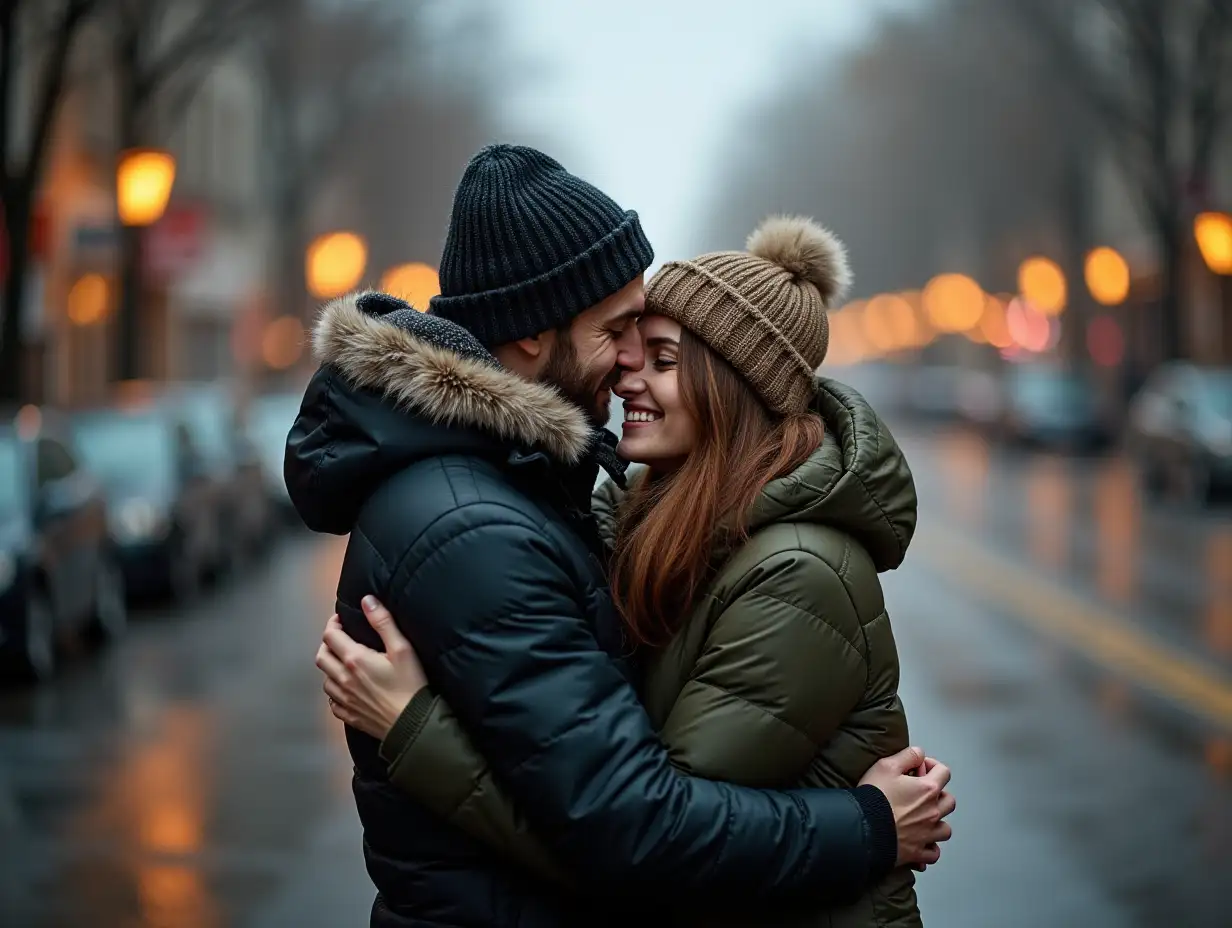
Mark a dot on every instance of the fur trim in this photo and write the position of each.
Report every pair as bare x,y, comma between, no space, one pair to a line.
445,386
807,250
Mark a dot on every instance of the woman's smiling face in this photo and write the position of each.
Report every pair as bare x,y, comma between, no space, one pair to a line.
658,428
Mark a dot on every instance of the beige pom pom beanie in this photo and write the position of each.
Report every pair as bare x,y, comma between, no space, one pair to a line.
762,309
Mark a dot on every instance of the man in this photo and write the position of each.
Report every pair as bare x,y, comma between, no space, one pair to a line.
459,449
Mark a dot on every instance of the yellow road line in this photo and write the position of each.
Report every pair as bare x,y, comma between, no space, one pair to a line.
1097,632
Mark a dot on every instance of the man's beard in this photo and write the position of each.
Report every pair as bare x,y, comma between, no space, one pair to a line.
565,372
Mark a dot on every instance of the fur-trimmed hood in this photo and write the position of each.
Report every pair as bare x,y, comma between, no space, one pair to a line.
396,386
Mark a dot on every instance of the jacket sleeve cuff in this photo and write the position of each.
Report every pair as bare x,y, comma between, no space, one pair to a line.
408,726
883,835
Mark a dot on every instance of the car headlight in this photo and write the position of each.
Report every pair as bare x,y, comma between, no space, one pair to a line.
138,520
8,570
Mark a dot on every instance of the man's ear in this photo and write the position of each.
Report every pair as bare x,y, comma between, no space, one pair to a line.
526,356
535,346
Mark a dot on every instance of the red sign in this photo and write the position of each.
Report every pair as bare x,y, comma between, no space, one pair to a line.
175,243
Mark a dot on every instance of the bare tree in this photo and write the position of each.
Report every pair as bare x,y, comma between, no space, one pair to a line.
163,51
21,172
374,96
326,70
1157,77
936,146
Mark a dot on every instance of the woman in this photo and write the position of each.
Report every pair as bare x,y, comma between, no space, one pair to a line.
745,556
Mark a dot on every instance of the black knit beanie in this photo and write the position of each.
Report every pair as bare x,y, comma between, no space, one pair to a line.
531,246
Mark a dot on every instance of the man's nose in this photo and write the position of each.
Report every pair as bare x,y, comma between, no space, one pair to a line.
630,355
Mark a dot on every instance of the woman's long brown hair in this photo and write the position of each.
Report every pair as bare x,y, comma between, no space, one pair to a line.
672,523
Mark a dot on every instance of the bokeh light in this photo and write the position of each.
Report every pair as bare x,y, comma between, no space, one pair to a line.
144,180
953,302
847,344
1107,276
1213,232
1042,284
1030,329
889,323
335,263
992,322
282,344
87,300
416,283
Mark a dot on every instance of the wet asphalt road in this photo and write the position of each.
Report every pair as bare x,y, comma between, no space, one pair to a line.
1065,648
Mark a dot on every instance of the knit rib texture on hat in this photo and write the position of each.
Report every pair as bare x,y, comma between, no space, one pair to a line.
530,246
763,309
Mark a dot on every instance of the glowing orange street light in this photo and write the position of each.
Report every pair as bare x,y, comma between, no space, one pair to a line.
416,283
87,300
335,263
1042,284
1213,232
953,302
144,179
1107,276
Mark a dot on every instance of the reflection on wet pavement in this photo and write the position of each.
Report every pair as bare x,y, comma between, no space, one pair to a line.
174,782
1066,648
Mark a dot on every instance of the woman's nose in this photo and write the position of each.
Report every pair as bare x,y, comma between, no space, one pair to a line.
629,385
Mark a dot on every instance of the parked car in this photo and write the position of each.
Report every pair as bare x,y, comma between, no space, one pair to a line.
1180,432
167,509
1052,407
234,464
60,577
269,419
980,399
933,391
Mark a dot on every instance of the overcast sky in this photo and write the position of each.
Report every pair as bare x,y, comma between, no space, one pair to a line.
642,96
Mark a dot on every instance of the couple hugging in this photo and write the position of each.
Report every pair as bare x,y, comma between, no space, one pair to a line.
666,698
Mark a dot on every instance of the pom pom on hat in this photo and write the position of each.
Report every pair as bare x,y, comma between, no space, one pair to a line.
805,249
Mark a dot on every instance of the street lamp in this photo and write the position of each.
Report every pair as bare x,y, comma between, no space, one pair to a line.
144,178
416,283
1213,232
1107,276
335,263
1041,282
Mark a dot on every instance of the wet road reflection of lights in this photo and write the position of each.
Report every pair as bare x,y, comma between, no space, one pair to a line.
1049,511
1217,624
1118,528
153,804
965,465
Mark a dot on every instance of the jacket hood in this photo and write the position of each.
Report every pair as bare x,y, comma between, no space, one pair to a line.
396,386
858,481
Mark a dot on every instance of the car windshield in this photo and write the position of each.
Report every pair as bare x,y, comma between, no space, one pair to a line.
272,417
10,477
128,452
1217,386
211,428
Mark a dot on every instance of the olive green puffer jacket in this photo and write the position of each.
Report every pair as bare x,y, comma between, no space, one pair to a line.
785,674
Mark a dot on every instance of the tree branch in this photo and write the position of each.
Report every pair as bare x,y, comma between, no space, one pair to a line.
212,27
7,44
1210,78
1057,37
51,86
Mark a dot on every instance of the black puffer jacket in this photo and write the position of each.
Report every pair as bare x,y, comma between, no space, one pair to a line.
465,490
